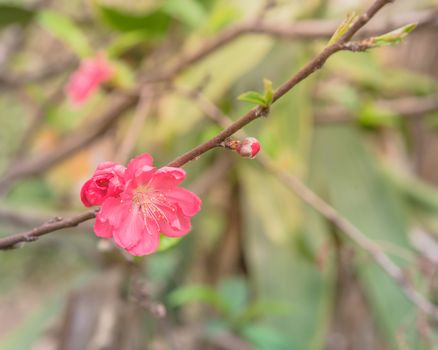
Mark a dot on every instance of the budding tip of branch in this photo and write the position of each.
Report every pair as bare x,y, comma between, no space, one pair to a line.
248,147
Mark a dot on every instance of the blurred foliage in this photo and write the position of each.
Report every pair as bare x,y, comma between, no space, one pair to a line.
12,14
282,289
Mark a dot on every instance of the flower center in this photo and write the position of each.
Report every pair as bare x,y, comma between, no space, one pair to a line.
102,182
151,203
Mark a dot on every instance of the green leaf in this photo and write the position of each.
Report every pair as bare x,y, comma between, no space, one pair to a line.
14,14
256,98
279,271
269,93
266,338
215,327
190,12
419,194
167,243
372,116
235,292
124,42
222,80
124,76
358,190
154,22
198,293
394,37
221,15
343,28
65,30
253,97
263,308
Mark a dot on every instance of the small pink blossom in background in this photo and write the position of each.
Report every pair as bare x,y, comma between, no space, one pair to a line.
139,203
249,147
87,78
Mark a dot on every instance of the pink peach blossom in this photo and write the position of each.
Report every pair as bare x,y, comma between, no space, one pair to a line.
149,204
107,181
86,79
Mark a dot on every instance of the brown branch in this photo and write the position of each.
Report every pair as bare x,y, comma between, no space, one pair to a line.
253,114
308,29
201,186
8,81
37,120
409,107
357,236
16,218
27,219
54,224
209,47
322,29
302,29
258,112
324,209
302,74
144,106
86,136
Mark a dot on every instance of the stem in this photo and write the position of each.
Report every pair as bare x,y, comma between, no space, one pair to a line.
128,102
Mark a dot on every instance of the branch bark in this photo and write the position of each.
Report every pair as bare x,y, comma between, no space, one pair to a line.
255,113
89,134
353,233
54,224
300,30
326,210
127,101
409,107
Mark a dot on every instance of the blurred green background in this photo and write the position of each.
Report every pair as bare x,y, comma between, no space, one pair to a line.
260,270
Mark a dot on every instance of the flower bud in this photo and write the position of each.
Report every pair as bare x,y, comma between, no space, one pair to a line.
249,147
107,181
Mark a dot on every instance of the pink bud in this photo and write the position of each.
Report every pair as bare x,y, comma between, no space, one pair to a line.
107,181
249,147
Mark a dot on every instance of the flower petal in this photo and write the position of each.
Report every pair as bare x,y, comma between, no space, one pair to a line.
103,228
128,233
107,181
87,78
148,242
109,216
189,202
176,225
85,193
137,163
167,177
108,165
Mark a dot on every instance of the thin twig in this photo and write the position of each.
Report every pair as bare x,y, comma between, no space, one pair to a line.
409,107
326,210
357,236
322,29
17,218
85,136
37,120
141,112
39,76
253,114
52,225
302,30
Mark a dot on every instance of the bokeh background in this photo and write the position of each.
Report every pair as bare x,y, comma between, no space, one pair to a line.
260,270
